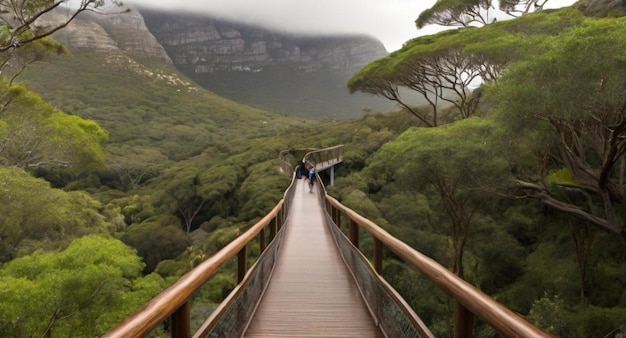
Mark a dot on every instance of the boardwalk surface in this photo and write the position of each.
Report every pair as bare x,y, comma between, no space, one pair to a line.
311,293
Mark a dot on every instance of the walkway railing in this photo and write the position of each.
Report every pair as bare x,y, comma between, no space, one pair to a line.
173,303
325,158
469,300
320,158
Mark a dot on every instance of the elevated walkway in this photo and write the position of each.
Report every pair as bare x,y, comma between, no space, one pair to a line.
312,280
311,291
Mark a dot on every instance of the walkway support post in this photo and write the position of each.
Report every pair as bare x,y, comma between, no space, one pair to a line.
378,255
464,322
242,264
180,321
354,233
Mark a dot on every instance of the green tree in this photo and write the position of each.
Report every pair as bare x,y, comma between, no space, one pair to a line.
155,242
565,118
35,134
134,164
36,216
81,291
462,13
439,69
451,164
466,13
26,22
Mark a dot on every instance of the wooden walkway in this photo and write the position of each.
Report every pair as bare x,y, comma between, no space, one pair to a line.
311,292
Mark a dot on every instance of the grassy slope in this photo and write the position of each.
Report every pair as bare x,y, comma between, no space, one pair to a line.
148,104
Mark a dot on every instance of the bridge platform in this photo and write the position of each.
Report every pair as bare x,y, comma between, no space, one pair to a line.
311,292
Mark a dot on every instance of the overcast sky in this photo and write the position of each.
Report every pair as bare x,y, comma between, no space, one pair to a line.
390,21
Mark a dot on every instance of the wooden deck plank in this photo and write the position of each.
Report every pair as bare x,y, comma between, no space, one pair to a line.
311,293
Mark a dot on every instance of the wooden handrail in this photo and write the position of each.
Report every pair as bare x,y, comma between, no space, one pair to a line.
467,297
174,301
176,297
325,154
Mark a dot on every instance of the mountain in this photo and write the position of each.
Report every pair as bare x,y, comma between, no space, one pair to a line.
119,75
292,75
277,71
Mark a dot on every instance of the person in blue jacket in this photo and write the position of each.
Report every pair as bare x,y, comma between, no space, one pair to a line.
311,178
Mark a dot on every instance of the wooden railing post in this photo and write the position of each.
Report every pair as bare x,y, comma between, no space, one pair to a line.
181,322
464,322
378,255
242,264
274,227
354,233
262,242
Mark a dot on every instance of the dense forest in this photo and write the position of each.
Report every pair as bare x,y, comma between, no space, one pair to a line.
116,182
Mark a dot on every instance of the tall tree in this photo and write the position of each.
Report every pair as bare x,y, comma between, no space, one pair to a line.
443,68
36,216
24,22
467,13
35,134
566,109
452,166
436,67
81,291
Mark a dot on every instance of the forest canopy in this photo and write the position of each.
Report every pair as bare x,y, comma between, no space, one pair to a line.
511,176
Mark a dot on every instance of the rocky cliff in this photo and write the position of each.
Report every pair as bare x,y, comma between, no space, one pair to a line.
280,72
206,45
123,33
601,8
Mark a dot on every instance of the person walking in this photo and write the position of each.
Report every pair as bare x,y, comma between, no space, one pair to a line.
311,178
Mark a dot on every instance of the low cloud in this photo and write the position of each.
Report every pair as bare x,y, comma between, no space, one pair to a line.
390,21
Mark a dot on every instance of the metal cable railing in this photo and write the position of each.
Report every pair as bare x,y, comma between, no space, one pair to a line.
469,300
391,312
174,302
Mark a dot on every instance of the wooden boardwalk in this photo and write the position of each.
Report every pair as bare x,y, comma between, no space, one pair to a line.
311,292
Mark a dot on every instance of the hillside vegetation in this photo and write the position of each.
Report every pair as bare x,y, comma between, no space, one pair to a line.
119,175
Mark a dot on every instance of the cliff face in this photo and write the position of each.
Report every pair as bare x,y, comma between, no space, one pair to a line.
279,72
124,33
206,45
601,8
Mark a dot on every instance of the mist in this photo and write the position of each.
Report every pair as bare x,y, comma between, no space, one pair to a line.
390,21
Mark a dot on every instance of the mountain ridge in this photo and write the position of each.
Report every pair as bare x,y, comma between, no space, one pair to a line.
288,74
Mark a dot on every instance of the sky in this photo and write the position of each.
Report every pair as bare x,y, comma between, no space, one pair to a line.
390,21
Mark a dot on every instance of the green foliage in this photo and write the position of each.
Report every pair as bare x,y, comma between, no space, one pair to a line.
263,187
171,268
605,322
35,134
560,176
155,242
192,152
561,108
81,291
552,314
219,238
36,216
500,258
218,287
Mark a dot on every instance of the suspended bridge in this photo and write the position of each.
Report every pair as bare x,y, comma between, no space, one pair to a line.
312,280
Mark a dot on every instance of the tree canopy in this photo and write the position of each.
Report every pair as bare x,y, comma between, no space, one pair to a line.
81,291
571,98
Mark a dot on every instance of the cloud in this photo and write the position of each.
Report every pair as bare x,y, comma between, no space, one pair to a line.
391,21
